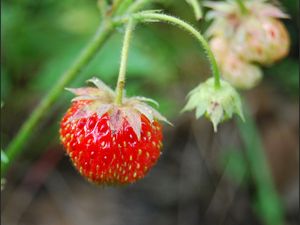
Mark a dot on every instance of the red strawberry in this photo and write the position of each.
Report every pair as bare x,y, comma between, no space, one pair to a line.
110,143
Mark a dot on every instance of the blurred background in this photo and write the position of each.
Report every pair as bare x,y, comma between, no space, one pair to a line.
201,178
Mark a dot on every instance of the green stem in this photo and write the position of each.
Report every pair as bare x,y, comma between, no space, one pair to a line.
123,65
137,5
116,6
102,4
154,17
268,203
242,6
15,147
130,6
125,4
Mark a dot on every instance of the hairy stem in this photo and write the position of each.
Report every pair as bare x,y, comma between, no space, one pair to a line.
123,65
15,147
154,17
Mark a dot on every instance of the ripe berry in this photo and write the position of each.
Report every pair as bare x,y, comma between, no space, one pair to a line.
110,143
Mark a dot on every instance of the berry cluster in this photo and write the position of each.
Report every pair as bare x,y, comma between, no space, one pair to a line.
241,39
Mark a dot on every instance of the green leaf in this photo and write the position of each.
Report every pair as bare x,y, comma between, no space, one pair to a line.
105,65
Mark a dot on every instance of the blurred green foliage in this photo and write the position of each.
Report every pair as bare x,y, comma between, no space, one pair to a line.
285,75
266,201
40,40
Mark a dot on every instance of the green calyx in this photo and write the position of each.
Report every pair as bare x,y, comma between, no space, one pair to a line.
217,104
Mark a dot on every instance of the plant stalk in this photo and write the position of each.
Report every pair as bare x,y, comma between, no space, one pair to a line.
267,201
123,65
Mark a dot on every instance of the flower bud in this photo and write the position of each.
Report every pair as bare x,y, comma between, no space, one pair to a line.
216,103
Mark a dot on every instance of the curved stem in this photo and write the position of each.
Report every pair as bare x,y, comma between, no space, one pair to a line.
154,17
123,66
15,147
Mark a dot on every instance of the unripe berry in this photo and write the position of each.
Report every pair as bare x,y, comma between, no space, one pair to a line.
240,73
264,41
234,69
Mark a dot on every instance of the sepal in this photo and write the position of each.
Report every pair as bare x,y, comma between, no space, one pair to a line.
101,100
216,103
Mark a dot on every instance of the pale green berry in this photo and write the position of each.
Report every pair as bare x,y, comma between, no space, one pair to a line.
237,71
240,73
262,40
